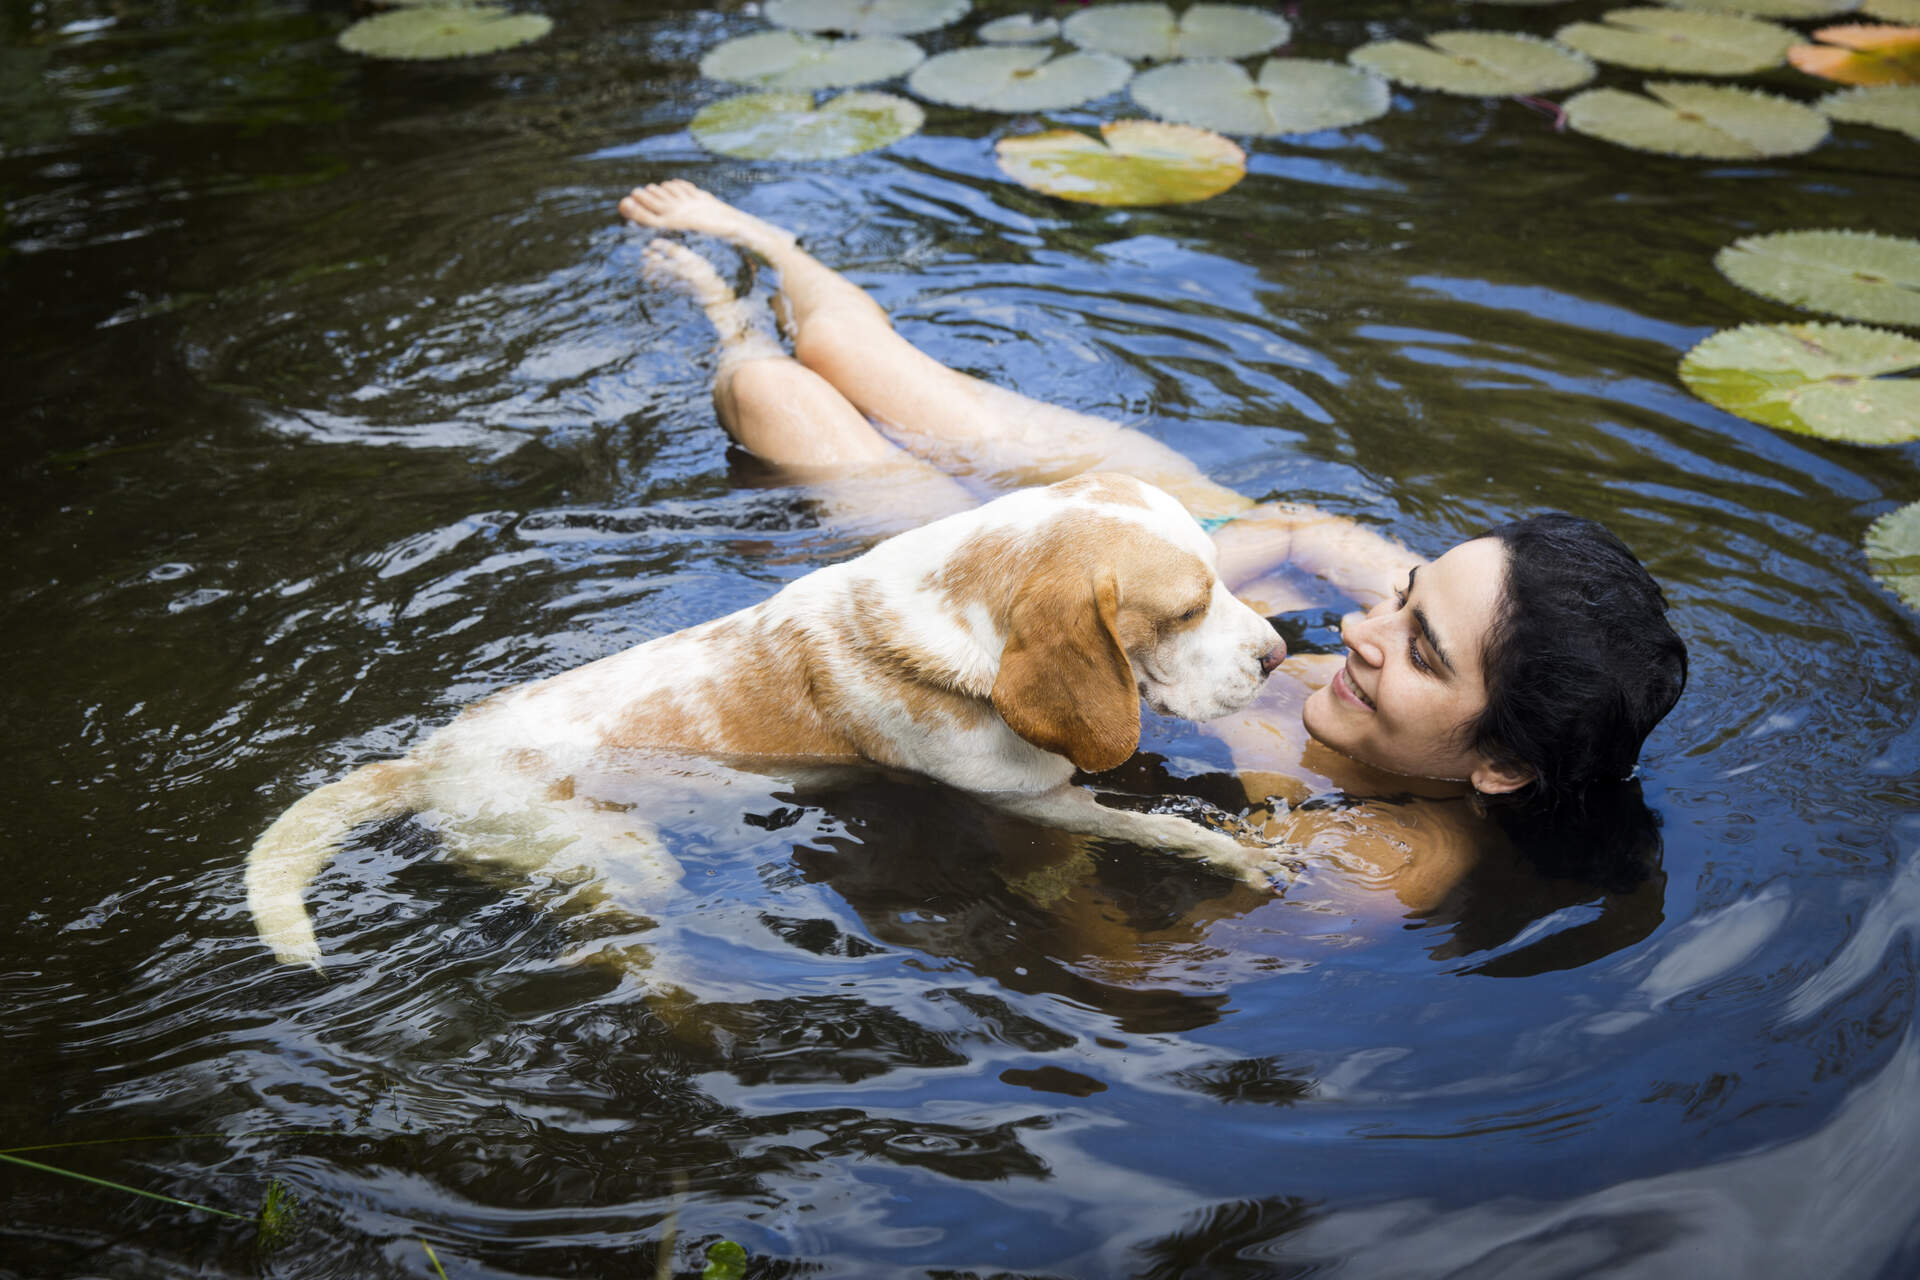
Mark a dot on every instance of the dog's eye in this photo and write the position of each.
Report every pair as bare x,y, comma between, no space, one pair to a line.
1193,613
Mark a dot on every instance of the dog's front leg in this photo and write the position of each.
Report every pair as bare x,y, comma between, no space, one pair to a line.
1073,809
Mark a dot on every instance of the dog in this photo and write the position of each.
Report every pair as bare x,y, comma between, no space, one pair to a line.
997,651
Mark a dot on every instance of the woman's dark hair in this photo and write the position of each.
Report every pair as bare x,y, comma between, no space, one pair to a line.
1581,664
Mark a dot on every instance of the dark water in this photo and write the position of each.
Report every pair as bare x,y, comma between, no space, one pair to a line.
331,405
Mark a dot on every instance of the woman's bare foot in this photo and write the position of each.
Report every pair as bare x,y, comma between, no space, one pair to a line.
678,205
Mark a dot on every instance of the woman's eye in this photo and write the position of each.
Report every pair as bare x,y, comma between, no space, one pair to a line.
1413,653
1399,597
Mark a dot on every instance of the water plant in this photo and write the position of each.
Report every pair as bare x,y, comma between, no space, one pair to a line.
1893,552
796,61
792,126
1710,44
1687,118
1477,63
1153,32
1017,77
1862,53
1290,95
1132,162
442,31
1895,107
1857,275
1837,381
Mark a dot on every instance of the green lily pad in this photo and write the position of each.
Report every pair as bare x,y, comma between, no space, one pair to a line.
794,61
1151,31
1019,28
1477,63
1017,78
1888,106
1684,118
1826,380
1711,44
1854,274
1132,162
442,31
1292,95
1893,10
866,17
789,126
1893,552
1769,8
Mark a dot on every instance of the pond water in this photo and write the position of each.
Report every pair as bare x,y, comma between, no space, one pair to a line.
333,404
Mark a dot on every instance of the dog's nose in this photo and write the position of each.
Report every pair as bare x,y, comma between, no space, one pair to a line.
1273,658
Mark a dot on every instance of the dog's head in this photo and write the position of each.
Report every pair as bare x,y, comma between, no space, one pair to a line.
1103,592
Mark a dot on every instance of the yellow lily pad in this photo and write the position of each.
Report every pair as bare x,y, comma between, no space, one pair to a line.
1477,63
1291,95
442,31
1684,118
1826,380
1132,162
790,126
1862,53
1711,44
1893,552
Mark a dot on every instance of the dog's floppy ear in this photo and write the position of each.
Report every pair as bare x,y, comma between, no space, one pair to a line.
1064,682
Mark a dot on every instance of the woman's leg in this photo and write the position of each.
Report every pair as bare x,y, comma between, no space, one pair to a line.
960,423
782,412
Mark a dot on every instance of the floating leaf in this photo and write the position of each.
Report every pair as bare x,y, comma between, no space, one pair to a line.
1826,380
1893,552
1855,274
789,126
1712,44
1019,28
866,17
1477,63
1131,162
1151,31
1862,54
1292,95
442,32
796,62
1713,121
1017,78
1887,106
1769,8
1893,10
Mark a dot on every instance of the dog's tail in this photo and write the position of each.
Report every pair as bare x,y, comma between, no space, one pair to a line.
291,852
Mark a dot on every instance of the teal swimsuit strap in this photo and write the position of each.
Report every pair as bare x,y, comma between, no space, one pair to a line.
1213,523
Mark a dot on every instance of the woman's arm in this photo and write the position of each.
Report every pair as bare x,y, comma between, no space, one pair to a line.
1362,563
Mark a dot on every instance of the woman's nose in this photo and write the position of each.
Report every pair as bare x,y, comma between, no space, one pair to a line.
1357,632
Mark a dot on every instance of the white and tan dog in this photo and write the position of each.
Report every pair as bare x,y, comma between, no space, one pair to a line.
996,650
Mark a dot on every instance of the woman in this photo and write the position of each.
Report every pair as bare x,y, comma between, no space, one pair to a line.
1515,676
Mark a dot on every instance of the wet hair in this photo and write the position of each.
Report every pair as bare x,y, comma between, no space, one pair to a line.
1580,665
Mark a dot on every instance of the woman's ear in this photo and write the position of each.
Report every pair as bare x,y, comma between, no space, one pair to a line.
1065,683
1491,779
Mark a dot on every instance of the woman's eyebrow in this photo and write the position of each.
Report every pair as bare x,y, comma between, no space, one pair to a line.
1426,627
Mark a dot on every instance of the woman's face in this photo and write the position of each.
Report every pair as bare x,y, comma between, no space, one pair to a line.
1414,677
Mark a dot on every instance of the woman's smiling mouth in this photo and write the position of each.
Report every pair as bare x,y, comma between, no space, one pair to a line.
1343,685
